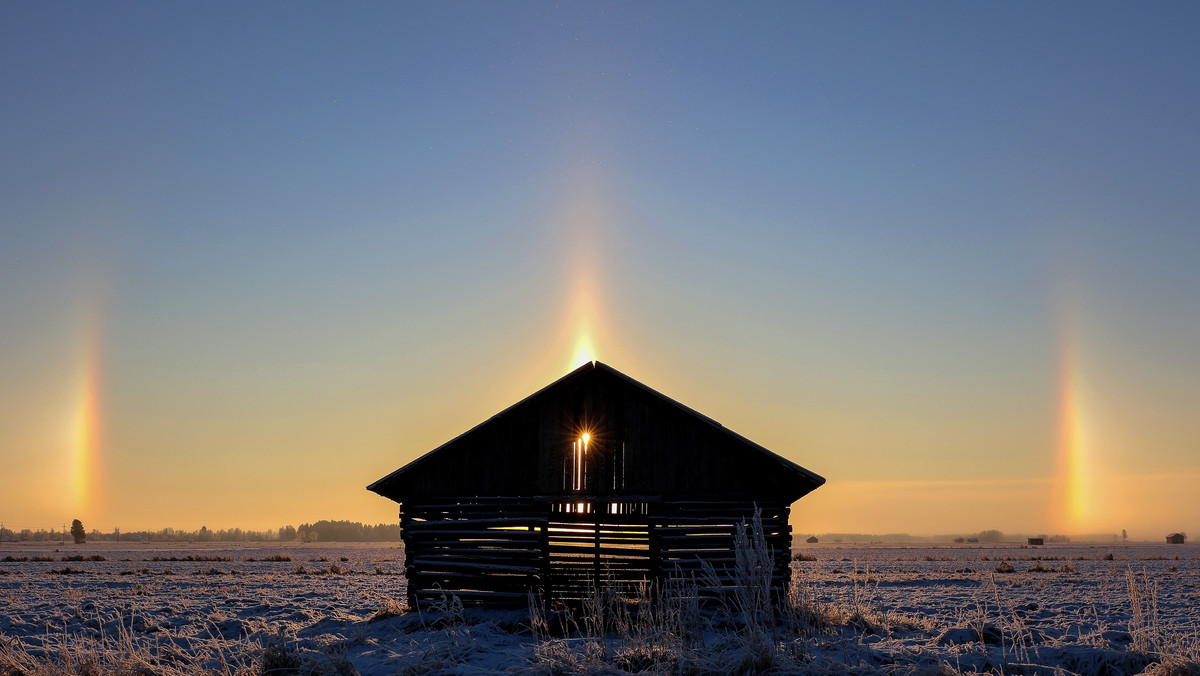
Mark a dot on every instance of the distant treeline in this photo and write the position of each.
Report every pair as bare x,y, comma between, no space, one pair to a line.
321,531
984,536
348,531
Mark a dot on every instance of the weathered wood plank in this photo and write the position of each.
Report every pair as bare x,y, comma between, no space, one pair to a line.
482,523
428,562
480,554
449,581
630,543
717,521
435,595
591,551
451,533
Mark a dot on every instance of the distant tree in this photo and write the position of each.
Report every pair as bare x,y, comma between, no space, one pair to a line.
78,532
1124,535
990,536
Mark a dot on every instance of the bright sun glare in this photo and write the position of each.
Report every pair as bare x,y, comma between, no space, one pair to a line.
583,351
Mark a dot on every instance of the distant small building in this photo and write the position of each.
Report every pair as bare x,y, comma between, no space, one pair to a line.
812,540
1176,538
1037,541
973,540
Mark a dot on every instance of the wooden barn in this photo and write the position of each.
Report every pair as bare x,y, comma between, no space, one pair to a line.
1176,539
594,479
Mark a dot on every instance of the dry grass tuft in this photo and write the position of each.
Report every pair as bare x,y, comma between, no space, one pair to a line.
390,608
279,658
120,655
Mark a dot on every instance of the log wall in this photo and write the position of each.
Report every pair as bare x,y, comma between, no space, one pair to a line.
695,542
479,549
494,551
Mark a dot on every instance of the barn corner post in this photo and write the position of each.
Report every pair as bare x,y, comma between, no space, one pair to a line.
783,558
410,591
654,546
594,481
544,585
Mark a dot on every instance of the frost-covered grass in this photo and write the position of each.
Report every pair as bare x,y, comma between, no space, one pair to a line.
179,609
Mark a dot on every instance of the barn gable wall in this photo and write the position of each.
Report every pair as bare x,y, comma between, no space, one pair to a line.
641,443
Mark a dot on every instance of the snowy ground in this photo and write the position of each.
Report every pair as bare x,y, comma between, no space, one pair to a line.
327,608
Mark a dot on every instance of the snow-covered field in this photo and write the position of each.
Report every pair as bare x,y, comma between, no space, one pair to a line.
331,608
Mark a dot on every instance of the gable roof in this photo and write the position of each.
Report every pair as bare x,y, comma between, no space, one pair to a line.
643,443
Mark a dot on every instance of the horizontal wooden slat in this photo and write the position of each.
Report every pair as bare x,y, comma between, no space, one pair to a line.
470,594
472,534
456,501
449,582
460,586
697,536
516,521
712,525
604,519
426,559
425,566
481,553
632,543
583,552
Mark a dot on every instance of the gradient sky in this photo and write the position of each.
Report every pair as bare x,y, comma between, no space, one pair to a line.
254,256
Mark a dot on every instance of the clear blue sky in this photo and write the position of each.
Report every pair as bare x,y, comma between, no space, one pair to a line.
286,247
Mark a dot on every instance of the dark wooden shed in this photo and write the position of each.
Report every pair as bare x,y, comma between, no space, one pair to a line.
594,479
1176,539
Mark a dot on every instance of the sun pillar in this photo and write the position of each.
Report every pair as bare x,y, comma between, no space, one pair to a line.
86,427
1072,488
